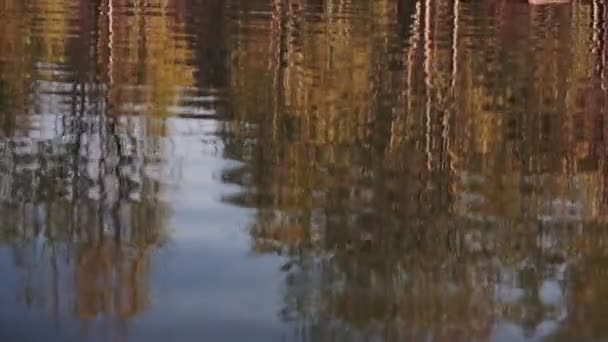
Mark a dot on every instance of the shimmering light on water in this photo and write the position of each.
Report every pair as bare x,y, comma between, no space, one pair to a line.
261,170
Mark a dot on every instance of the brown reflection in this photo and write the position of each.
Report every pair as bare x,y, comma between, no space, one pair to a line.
432,170
82,178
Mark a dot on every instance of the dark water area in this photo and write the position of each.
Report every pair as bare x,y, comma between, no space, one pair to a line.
299,170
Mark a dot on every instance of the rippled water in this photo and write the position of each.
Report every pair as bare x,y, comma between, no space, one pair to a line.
298,170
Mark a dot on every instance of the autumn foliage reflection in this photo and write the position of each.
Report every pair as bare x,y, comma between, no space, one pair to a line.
85,159
421,179
424,181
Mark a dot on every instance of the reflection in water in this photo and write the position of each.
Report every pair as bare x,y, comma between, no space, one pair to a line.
424,170
432,170
81,179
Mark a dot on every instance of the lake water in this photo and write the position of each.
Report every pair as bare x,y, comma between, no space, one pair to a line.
299,170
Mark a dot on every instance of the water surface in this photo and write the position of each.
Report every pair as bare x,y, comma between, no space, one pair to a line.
298,170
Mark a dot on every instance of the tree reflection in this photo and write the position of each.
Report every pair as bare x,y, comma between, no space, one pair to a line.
424,181
82,179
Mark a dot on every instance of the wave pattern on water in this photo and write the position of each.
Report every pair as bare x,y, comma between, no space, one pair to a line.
422,170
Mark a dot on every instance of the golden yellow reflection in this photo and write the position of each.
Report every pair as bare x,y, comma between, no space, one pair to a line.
81,183
426,169
429,168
